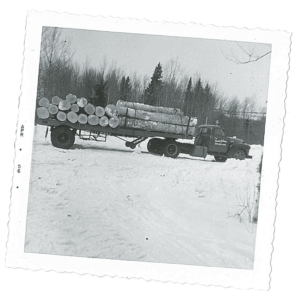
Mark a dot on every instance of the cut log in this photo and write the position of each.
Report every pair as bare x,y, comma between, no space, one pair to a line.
44,102
82,118
42,112
100,111
156,126
122,121
157,117
103,121
149,108
53,109
111,110
89,109
55,100
72,117
93,120
114,122
71,98
82,102
75,108
61,116
64,105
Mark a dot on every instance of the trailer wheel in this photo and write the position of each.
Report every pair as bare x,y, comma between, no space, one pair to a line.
239,154
171,149
155,146
220,158
62,137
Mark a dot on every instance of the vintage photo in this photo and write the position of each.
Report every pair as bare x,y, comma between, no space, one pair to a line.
148,148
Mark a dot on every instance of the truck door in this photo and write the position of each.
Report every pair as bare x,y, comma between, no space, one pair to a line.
203,137
219,143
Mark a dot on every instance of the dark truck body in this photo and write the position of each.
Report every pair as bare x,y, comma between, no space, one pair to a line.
208,139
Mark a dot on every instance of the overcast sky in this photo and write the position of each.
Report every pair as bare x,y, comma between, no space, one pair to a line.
141,53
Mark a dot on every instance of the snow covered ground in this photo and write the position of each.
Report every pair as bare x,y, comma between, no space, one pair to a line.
103,200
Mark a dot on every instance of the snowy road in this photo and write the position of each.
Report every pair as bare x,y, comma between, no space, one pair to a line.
104,200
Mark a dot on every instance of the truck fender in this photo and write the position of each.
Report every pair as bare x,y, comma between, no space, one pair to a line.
235,146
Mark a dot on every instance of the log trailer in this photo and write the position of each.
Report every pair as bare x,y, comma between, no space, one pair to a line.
208,139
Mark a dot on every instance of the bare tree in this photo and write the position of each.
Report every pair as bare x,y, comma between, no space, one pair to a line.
245,55
55,53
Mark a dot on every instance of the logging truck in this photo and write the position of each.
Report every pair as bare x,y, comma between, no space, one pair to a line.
207,139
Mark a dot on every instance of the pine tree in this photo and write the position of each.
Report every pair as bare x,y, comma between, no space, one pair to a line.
209,101
188,99
125,89
154,90
101,93
198,102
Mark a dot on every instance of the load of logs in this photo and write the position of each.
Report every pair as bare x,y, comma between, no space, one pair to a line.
124,114
79,110
154,118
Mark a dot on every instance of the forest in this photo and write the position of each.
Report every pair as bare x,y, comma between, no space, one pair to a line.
168,86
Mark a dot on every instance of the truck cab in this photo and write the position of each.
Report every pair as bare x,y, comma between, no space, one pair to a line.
218,144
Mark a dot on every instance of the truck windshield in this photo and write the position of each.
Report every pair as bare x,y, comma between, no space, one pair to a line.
219,132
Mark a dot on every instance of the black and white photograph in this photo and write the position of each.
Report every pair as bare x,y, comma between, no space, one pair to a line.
149,148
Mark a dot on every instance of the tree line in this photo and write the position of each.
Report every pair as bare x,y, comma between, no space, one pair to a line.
168,86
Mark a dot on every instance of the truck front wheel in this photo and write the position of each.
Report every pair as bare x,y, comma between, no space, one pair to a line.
220,158
171,149
62,137
239,154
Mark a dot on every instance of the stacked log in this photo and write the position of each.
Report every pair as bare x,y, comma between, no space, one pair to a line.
93,120
64,105
53,109
89,109
125,114
72,117
103,121
44,102
100,111
82,119
55,100
158,119
82,102
71,98
149,108
42,112
114,122
61,116
75,108
111,110
155,126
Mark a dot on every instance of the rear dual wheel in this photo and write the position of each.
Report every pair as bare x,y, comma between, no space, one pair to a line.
171,149
155,146
62,137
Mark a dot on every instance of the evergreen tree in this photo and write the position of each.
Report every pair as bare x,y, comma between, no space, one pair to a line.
125,89
101,93
188,99
154,90
209,102
198,102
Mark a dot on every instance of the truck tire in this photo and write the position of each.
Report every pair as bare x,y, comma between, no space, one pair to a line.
239,154
155,146
62,137
220,158
171,149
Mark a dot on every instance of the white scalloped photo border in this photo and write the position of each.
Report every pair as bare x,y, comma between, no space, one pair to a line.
259,277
